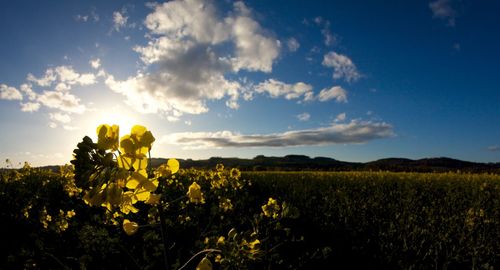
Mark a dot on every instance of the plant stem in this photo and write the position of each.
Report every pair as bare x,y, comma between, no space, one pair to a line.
163,226
195,255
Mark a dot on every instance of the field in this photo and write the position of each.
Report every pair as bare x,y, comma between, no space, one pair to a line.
330,220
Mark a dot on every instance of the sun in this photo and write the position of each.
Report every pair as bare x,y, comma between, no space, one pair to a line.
123,119
117,115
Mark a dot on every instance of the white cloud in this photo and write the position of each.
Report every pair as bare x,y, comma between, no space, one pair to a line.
52,125
345,133
493,148
343,67
442,9
191,50
188,19
340,117
95,63
28,91
329,38
44,81
67,74
9,93
254,50
119,20
335,92
60,117
62,87
84,18
64,74
293,44
304,116
62,101
30,106
81,18
277,88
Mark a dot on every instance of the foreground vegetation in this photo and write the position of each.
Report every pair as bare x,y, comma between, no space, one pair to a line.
111,209
389,220
395,220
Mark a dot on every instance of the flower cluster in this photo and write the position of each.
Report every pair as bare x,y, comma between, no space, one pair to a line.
271,208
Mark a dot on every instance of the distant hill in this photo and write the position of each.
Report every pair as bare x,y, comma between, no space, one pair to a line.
301,162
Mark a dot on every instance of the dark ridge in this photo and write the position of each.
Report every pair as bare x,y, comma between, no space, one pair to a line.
301,162
305,163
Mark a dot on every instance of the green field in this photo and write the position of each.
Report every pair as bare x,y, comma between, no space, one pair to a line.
342,219
396,220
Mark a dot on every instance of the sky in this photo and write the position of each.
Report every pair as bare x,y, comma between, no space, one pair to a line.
351,80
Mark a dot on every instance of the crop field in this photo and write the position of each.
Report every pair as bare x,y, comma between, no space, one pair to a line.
314,219
395,220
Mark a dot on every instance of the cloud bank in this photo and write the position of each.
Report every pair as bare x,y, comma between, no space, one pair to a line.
353,132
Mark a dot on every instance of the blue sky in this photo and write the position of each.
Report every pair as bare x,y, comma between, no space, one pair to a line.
352,80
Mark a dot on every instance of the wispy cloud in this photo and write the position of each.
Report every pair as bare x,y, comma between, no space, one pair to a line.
336,92
340,117
353,132
119,20
442,9
329,38
95,63
293,44
63,74
304,117
277,88
493,148
93,16
343,66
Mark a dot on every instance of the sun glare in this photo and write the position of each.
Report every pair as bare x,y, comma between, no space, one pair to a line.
113,116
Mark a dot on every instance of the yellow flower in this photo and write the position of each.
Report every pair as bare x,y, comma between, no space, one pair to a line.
204,264
225,204
70,214
194,193
130,227
221,240
107,137
219,167
169,168
142,136
271,209
254,244
235,173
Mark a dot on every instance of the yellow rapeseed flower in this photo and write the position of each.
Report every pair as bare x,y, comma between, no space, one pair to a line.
194,193
107,137
221,240
271,209
169,168
235,173
130,227
219,167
